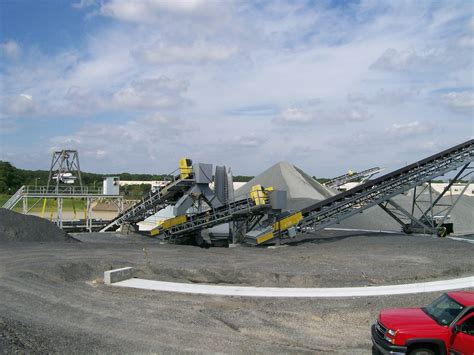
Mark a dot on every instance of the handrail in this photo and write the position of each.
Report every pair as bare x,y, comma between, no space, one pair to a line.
14,198
64,190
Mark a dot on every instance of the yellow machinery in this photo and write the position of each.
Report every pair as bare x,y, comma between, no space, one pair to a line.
185,168
168,224
280,226
259,194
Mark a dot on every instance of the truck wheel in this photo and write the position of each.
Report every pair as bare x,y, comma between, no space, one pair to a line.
375,351
422,351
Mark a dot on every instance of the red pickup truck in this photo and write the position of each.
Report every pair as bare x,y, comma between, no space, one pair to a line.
446,326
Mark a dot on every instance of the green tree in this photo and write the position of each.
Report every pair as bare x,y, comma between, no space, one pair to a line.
11,178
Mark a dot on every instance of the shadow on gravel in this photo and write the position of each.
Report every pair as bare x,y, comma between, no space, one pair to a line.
334,239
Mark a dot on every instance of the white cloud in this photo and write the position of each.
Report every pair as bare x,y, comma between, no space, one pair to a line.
460,101
470,24
162,62
316,111
296,115
85,4
147,94
147,11
386,143
197,52
151,93
251,141
136,141
398,60
408,129
384,97
10,49
466,42
19,105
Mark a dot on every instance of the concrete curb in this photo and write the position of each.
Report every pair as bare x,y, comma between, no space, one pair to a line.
113,276
251,291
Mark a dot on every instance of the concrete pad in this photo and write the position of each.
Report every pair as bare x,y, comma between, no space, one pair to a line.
117,275
249,291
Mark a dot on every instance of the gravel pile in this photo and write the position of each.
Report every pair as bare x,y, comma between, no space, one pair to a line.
302,190
17,227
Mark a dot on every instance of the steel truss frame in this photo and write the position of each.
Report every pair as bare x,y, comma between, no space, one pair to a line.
42,193
422,216
64,161
243,210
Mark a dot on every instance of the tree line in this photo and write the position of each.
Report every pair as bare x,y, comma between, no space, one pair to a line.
12,178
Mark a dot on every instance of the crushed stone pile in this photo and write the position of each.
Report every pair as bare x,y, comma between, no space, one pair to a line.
17,227
302,190
463,214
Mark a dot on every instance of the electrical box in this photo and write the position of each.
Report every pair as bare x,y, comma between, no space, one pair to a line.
111,185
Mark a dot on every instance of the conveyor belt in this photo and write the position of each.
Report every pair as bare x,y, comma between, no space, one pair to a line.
352,176
193,223
362,197
159,199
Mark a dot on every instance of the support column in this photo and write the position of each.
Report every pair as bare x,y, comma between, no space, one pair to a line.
59,214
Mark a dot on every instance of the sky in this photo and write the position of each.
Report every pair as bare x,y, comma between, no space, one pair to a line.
134,85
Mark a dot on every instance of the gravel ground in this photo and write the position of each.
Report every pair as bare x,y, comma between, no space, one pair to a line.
53,299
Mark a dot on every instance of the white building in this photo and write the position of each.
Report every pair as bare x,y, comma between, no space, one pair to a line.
155,184
439,187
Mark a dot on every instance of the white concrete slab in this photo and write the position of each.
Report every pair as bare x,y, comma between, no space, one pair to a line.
250,291
362,230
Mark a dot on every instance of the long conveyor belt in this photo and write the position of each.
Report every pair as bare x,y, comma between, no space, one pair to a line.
364,175
362,197
342,206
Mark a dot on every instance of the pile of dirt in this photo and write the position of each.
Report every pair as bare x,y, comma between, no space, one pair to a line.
17,227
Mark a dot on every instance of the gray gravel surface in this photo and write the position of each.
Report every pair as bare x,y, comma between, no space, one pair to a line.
53,299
